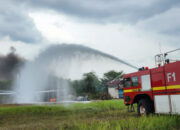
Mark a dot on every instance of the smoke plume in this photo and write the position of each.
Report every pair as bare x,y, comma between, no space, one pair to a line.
10,65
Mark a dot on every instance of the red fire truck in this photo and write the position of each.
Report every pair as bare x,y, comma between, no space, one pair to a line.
154,90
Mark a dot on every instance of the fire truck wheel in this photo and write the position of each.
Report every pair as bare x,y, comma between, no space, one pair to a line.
144,107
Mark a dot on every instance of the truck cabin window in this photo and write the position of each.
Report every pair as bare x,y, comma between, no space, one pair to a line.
135,81
121,84
127,82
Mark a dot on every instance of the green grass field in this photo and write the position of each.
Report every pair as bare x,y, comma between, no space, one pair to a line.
102,115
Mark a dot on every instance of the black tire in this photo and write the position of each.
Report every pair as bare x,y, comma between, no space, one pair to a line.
145,107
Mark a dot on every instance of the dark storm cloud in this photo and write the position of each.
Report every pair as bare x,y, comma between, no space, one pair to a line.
122,11
16,24
107,10
167,23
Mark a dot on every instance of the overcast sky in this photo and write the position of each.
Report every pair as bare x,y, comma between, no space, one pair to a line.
133,30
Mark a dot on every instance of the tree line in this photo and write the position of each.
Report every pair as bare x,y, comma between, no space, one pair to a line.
94,87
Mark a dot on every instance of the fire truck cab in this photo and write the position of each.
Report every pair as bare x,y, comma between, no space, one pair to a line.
154,90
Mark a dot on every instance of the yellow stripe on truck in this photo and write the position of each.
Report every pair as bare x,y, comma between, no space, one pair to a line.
168,87
154,88
173,87
131,90
159,88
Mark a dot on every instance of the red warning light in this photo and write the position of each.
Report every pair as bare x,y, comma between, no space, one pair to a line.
146,68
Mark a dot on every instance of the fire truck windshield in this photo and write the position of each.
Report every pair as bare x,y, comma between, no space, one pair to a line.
127,82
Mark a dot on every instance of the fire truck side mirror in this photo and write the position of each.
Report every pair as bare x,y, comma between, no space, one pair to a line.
167,61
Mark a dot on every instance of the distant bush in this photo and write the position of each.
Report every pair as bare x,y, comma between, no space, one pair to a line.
105,96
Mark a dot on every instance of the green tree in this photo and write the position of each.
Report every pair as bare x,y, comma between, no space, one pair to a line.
91,82
92,86
109,76
78,87
87,85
